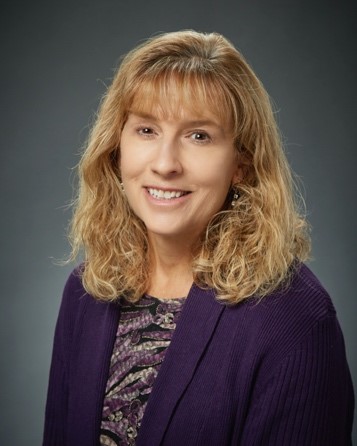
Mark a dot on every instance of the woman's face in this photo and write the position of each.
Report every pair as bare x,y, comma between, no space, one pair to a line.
177,171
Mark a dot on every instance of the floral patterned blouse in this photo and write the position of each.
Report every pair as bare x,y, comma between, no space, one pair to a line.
144,333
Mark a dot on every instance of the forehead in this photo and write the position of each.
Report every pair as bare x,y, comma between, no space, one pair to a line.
177,98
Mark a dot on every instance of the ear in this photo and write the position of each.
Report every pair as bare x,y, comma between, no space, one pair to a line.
238,174
243,167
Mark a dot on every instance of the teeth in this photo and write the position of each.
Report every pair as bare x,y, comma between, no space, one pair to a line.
166,195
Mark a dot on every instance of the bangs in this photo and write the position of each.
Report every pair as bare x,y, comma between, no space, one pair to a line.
169,95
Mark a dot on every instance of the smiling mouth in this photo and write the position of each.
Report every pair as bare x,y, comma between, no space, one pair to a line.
166,194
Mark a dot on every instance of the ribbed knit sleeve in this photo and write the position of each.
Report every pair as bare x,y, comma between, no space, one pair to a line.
57,399
57,395
298,404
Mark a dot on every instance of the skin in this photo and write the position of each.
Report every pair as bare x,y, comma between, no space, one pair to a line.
190,159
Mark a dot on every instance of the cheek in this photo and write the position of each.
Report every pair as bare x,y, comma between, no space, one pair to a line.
134,160
127,155
124,166
219,173
128,164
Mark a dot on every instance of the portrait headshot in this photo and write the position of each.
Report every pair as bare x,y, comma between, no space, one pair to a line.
179,224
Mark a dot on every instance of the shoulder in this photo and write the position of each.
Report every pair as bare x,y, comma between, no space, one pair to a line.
80,315
306,285
301,298
74,295
285,319
73,285
76,304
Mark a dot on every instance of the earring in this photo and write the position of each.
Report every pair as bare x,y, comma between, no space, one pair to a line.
122,187
235,198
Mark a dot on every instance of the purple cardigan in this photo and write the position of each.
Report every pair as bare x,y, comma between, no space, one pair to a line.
272,372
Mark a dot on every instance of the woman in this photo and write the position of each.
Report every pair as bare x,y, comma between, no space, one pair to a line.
193,320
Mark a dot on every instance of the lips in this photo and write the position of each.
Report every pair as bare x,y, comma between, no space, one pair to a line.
165,194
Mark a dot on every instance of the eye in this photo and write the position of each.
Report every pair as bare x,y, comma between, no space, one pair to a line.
200,136
145,131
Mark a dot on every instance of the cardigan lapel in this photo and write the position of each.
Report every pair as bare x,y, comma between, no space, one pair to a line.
194,330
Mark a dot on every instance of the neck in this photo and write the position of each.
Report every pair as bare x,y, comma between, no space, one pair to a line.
171,273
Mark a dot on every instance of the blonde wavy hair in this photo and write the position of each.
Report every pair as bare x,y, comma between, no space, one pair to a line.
244,251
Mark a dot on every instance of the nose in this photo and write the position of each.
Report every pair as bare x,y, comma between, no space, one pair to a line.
167,160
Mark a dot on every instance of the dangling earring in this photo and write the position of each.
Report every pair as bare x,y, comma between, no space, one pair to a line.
122,188
235,198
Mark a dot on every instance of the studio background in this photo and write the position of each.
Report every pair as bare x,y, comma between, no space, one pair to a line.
56,60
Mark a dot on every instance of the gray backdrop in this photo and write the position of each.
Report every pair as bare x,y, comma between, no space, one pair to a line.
56,59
